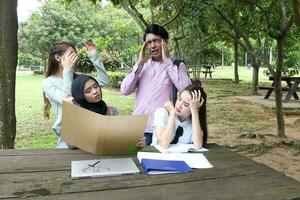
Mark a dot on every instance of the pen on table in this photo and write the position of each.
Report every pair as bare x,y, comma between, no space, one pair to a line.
93,165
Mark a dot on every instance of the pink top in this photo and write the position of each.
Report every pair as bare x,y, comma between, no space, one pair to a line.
154,84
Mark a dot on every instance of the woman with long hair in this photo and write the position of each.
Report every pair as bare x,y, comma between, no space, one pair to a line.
185,122
60,73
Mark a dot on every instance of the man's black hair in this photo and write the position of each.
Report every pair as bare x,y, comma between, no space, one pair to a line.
156,30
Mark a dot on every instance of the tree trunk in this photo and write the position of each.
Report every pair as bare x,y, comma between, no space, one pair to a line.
222,58
236,61
246,59
8,63
270,56
278,88
255,77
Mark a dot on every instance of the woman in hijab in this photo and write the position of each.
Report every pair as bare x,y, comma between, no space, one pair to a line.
88,94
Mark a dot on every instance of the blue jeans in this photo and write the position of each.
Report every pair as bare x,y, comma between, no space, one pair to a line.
148,138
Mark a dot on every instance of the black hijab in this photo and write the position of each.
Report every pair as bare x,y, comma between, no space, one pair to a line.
78,94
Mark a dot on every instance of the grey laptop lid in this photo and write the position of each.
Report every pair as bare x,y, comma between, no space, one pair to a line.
103,167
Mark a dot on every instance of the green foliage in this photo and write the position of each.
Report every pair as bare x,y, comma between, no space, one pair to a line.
132,150
27,60
130,54
292,71
111,60
116,78
84,64
103,43
112,29
292,55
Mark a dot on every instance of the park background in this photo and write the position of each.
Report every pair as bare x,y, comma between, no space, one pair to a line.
199,35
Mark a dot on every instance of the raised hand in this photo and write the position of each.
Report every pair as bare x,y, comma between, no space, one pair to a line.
196,101
90,48
169,107
143,57
69,60
164,50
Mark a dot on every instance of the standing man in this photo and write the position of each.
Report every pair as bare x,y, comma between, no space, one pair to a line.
153,76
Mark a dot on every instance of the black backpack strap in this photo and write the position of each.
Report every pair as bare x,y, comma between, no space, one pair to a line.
174,92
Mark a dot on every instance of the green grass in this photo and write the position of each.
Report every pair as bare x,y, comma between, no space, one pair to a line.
35,132
124,104
256,149
32,130
245,73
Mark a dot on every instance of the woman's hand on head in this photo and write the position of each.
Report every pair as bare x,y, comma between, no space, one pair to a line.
169,107
69,60
196,101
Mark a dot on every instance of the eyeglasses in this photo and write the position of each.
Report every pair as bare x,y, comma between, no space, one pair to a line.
94,168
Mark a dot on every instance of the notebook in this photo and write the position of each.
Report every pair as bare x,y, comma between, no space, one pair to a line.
193,160
153,166
101,134
102,168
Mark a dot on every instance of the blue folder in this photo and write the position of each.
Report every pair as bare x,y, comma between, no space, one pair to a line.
152,166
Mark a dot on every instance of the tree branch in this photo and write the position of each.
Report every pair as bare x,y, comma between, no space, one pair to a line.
137,13
178,12
288,26
285,25
267,19
237,29
125,6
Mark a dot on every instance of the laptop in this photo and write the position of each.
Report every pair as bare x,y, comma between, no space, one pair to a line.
101,134
103,167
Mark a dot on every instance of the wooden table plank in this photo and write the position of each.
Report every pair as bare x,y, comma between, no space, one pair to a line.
31,173
26,164
242,187
15,161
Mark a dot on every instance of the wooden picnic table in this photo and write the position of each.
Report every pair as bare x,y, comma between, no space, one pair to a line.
196,70
292,87
45,174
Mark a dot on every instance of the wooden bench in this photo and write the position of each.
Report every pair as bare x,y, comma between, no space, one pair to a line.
271,89
207,72
197,69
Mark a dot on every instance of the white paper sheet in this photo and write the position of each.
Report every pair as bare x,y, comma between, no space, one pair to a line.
179,148
194,160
